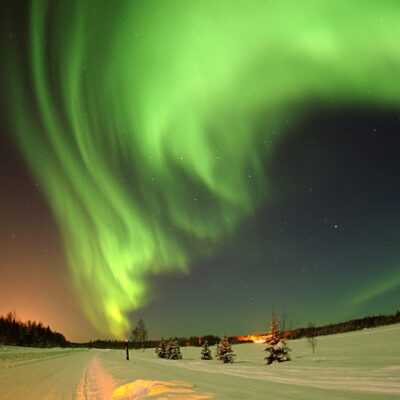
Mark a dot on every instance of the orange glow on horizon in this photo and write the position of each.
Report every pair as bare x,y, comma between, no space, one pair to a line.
259,337
255,338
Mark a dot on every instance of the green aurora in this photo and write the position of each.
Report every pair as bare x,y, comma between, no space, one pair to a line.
142,122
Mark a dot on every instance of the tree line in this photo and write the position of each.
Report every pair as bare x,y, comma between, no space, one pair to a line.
30,333
347,326
134,344
35,334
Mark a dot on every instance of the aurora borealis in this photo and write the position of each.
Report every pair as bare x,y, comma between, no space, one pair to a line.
198,152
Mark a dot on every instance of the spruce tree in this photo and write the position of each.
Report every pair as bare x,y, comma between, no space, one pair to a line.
161,350
276,345
168,348
206,352
224,351
173,350
218,350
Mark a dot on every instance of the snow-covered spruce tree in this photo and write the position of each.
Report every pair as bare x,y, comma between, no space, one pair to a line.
161,350
218,350
224,351
276,345
173,350
206,352
168,348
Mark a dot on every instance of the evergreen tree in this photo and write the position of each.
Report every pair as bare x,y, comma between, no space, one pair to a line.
173,351
224,351
206,352
276,348
218,350
168,348
161,350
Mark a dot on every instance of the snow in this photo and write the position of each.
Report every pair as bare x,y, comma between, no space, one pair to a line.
356,365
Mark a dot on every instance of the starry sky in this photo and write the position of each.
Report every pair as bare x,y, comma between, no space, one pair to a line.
198,164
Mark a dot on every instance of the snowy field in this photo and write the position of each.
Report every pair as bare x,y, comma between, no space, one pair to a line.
356,365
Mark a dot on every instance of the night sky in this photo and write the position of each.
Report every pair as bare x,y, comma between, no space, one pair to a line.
198,164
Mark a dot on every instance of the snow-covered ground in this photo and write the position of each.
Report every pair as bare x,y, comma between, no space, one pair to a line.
356,365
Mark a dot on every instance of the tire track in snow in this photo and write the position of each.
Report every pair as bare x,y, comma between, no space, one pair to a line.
96,383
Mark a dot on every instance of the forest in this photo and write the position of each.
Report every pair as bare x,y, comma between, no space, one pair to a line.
30,333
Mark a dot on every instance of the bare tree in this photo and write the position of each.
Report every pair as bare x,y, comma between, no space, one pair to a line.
139,334
312,336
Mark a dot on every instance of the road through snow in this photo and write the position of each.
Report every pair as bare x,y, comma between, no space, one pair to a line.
84,375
